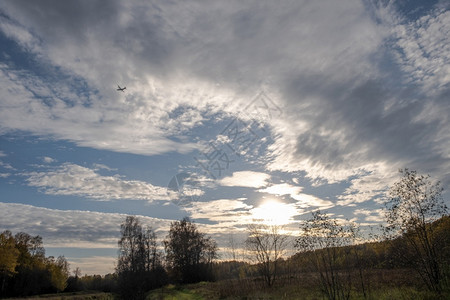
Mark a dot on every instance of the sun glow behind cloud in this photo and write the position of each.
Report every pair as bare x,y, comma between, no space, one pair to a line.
273,212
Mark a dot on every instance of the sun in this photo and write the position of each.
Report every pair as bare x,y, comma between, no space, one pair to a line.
273,212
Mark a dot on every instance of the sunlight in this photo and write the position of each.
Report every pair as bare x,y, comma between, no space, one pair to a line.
273,212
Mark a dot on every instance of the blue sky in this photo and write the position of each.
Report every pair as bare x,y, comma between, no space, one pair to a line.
233,112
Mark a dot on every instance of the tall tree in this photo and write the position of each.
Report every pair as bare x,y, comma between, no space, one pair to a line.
189,254
232,244
129,245
33,271
323,241
8,258
59,272
414,203
266,245
139,266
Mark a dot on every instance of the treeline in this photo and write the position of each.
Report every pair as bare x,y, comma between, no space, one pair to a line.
384,254
346,272
106,283
379,255
142,265
345,269
24,268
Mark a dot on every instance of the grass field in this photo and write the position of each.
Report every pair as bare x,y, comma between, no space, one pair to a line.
215,291
381,284
221,290
88,295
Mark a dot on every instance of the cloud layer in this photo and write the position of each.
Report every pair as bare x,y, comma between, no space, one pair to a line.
343,113
72,179
60,228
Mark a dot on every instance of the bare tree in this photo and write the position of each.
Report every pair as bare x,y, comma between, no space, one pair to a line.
414,203
77,272
266,245
149,250
323,241
131,232
233,245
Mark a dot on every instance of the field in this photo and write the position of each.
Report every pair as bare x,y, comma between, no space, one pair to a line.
212,291
385,284
88,295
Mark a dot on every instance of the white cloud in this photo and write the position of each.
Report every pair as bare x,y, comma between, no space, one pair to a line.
6,166
282,189
368,186
424,50
48,160
72,179
306,201
228,211
246,179
295,192
21,34
102,166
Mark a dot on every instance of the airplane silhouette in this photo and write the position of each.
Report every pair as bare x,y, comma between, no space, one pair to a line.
121,89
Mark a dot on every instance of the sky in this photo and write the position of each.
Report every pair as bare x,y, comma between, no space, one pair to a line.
234,112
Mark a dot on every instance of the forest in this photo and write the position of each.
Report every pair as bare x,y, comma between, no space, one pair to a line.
410,259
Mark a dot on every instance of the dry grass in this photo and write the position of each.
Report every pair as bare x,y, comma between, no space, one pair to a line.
72,296
384,284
